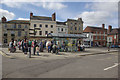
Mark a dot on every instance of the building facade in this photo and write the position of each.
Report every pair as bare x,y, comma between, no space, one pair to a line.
75,26
99,35
62,27
40,26
14,29
113,36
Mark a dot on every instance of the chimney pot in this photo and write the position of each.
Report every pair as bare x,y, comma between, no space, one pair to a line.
4,19
103,26
53,17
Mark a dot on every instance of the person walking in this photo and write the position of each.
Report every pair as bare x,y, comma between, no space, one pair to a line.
34,47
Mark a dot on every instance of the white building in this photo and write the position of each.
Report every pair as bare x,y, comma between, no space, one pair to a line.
62,27
88,42
40,25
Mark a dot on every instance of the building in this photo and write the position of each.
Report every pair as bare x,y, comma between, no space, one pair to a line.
62,27
75,26
40,26
99,35
14,29
88,41
113,36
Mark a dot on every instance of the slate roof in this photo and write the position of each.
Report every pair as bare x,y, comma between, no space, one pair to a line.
41,18
61,23
19,21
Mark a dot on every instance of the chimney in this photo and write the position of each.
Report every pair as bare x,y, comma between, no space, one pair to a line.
80,19
31,14
109,29
103,26
53,17
4,19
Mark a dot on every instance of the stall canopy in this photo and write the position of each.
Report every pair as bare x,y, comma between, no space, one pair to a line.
60,35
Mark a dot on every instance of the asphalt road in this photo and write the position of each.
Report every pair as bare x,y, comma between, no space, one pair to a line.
92,66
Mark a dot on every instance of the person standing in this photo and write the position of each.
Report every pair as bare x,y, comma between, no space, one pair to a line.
29,48
34,47
37,50
25,47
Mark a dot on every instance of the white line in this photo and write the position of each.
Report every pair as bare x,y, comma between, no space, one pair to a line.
116,64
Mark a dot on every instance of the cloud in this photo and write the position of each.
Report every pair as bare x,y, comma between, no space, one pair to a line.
23,19
45,4
7,14
100,12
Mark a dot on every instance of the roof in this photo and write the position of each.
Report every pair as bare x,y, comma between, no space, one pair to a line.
61,23
91,28
19,21
71,20
41,18
114,31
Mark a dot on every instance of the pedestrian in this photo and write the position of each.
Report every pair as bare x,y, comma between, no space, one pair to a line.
34,47
22,45
41,46
37,50
29,48
25,46
108,45
10,45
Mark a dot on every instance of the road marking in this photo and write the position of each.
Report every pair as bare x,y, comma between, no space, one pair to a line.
115,64
5,55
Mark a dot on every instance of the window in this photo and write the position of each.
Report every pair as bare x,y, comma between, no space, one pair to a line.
75,28
51,31
5,40
25,33
46,26
5,25
71,28
5,34
61,29
96,37
46,32
19,33
12,35
96,32
14,25
25,26
40,32
99,37
40,25
58,29
51,26
79,28
19,26
35,25
103,37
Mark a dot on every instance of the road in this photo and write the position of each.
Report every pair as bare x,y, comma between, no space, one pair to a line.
91,66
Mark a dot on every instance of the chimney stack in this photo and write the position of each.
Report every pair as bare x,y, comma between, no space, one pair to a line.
109,29
103,26
31,14
53,17
4,19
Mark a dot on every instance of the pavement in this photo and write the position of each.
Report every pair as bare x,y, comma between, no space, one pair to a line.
62,55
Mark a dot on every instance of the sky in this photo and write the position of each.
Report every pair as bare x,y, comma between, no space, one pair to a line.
92,13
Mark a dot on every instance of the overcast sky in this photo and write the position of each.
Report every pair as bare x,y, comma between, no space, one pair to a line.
92,13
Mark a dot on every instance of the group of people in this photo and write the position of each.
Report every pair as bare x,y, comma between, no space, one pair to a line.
27,45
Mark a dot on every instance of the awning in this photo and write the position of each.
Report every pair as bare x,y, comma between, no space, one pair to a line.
60,35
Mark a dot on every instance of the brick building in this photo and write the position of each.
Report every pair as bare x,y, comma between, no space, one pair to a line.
113,36
99,35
